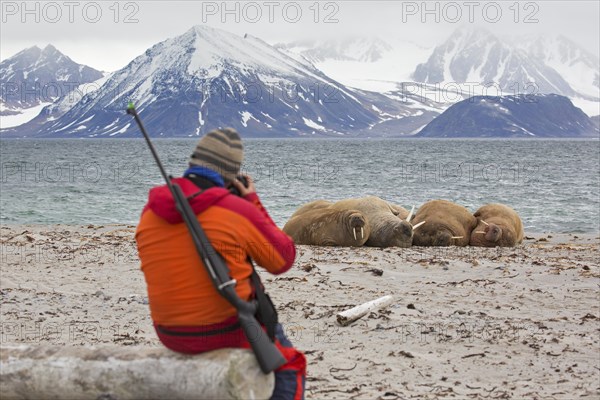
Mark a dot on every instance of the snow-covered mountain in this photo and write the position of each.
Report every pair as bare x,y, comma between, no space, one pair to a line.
365,49
367,63
36,77
208,78
514,116
511,66
472,61
477,56
577,66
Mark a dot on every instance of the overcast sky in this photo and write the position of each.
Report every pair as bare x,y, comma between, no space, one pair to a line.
107,34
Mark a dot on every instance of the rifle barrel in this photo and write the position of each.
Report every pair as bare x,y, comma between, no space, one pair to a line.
267,354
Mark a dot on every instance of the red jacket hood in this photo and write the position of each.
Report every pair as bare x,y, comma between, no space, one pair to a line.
161,202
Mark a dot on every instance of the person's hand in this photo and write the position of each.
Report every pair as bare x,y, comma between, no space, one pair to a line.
244,191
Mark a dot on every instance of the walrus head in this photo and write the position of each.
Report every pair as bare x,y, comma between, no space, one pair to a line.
357,227
402,235
493,233
442,238
391,233
435,235
489,236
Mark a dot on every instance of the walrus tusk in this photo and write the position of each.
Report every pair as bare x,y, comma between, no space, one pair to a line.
354,231
480,232
418,225
362,233
456,237
410,214
485,222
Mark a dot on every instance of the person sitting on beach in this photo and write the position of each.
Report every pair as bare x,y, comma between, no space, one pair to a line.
189,315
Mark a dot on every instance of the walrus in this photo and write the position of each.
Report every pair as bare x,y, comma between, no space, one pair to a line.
387,228
401,212
446,224
313,205
320,225
498,225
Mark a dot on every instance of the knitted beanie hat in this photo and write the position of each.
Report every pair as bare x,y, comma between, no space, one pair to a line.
220,150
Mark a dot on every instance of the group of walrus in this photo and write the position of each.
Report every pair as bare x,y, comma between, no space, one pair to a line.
371,221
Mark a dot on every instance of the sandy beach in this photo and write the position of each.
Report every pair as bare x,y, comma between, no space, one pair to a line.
497,323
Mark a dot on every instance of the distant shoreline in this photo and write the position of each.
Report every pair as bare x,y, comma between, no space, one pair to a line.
307,137
530,237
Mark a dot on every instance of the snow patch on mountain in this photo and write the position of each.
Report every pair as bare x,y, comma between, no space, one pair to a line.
312,124
21,117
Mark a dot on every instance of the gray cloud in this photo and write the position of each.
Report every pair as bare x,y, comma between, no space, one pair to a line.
106,36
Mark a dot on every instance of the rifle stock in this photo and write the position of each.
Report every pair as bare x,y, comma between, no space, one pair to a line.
267,354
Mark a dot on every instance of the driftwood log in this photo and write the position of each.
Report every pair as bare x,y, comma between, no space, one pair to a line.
347,317
116,373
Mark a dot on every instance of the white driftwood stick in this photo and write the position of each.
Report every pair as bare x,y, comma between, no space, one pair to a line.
346,317
56,372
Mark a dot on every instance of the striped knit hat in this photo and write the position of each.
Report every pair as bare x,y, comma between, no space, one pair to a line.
220,150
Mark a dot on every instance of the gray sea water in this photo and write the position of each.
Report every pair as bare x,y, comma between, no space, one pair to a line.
553,184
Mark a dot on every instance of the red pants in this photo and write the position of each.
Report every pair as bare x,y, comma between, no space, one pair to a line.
290,378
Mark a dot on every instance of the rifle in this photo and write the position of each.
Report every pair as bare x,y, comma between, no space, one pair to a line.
268,356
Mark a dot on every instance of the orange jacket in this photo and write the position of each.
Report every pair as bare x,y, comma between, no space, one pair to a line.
180,292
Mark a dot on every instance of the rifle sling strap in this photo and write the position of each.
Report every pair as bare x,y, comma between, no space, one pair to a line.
266,312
